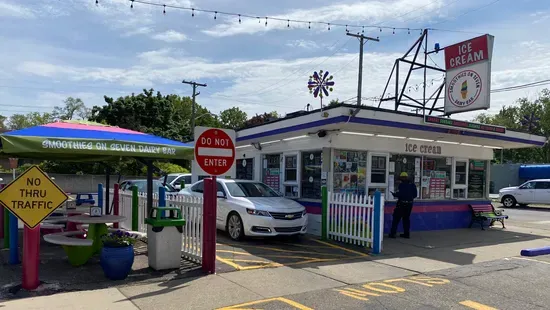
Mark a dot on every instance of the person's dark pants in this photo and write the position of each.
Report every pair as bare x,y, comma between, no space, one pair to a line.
403,211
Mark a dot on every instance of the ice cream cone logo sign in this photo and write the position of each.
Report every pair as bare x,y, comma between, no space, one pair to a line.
468,78
464,88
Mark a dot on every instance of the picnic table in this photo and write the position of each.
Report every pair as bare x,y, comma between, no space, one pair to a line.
79,251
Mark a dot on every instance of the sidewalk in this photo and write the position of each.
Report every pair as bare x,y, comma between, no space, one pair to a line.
426,252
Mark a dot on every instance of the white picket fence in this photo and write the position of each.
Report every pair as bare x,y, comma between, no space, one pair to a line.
191,211
350,218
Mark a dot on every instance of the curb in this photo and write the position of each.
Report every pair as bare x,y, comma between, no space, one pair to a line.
536,251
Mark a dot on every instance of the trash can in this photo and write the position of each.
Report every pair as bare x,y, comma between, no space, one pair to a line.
164,238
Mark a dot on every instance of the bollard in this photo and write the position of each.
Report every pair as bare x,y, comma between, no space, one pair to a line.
100,197
116,202
378,220
6,228
162,201
324,211
14,240
135,209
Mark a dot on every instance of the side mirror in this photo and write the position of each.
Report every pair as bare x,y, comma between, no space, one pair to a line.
220,194
177,186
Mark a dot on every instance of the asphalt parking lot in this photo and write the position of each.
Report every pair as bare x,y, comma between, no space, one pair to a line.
513,283
280,251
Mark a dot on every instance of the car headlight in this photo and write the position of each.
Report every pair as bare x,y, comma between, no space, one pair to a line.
304,213
257,212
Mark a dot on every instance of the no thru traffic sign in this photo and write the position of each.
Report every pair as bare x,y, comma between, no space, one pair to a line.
214,150
32,196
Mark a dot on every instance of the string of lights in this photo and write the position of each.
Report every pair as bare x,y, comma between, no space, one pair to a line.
265,19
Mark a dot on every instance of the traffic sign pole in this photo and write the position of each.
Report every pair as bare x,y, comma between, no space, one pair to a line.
31,253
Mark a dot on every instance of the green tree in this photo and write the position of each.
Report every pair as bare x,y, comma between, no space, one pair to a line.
233,118
20,121
511,117
334,102
74,107
260,119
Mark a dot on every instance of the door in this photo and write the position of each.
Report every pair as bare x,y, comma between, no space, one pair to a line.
542,192
525,193
223,207
271,171
377,173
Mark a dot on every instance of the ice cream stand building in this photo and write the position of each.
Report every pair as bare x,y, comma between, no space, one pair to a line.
358,149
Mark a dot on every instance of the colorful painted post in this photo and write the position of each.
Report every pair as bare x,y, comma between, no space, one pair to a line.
135,209
14,240
324,212
162,200
116,202
6,228
378,223
209,224
5,224
100,197
31,252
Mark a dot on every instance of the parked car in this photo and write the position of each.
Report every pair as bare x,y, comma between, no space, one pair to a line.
534,191
142,186
250,208
175,179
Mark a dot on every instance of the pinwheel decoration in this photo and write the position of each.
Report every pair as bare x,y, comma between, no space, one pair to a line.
320,84
530,121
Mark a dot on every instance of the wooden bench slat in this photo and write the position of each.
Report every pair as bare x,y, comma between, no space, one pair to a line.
484,212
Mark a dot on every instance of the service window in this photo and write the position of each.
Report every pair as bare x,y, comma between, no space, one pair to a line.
311,174
403,163
245,169
377,173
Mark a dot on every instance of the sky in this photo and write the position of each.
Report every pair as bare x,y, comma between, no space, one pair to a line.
53,49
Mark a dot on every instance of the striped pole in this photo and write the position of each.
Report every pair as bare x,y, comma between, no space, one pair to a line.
378,220
135,209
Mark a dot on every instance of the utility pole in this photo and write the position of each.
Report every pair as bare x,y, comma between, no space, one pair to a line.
195,94
362,40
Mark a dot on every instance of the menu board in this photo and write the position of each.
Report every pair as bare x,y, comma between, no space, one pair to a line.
350,172
272,178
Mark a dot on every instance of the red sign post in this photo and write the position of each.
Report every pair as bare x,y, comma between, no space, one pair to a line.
215,155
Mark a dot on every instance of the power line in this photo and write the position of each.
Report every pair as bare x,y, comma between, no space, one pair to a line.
262,19
465,13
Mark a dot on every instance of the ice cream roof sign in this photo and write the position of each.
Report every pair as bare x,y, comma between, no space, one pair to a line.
467,83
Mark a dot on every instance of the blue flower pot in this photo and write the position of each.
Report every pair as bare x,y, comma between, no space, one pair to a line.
117,262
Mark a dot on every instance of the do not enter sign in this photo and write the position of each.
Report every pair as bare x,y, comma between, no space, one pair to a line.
214,150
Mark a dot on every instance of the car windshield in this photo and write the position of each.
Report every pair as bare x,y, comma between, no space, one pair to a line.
250,189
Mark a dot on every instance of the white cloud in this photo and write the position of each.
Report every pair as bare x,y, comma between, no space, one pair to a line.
15,10
370,13
170,36
306,44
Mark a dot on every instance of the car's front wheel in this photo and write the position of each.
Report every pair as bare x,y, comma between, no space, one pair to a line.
508,201
235,227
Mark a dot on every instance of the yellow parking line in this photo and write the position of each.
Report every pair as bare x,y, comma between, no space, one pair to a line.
476,305
532,260
245,306
234,252
228,263
341,248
